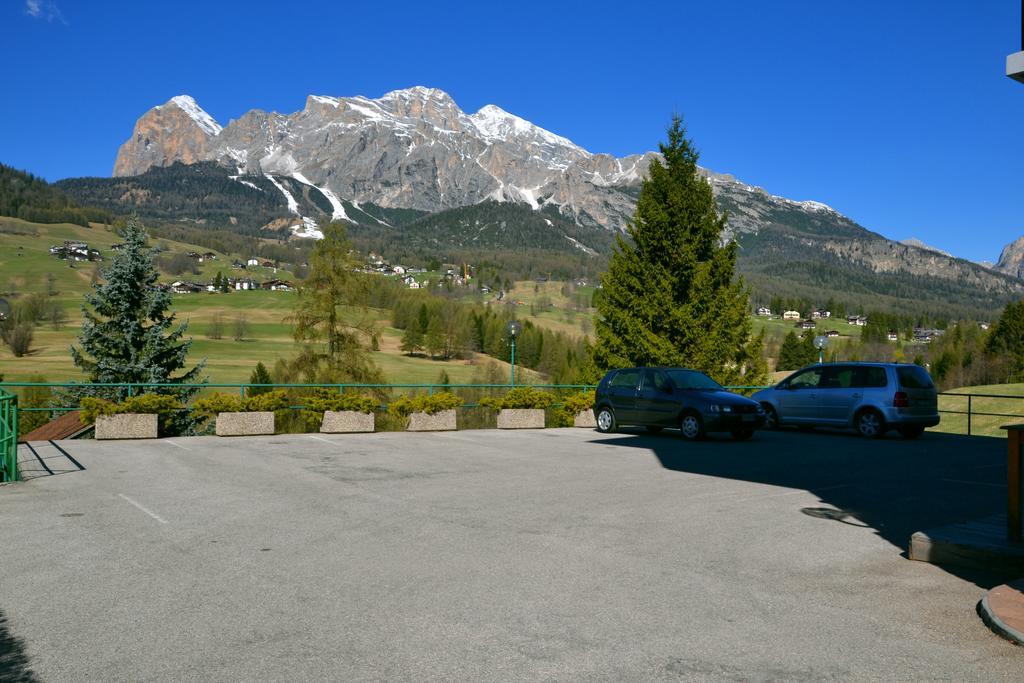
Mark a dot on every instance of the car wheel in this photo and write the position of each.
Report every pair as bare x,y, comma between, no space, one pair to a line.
771,418
691,427
742,433
605,420
870,424
910,432
654,429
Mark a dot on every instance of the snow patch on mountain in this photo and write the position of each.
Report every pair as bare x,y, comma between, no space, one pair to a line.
245,182
197,114
308,229
914,242
293,206
337,208
579,245
494,123
814,206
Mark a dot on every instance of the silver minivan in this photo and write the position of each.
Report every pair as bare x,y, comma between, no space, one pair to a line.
870,397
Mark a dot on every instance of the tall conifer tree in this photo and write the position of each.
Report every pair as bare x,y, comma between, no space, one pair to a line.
334,348
129,334
670,296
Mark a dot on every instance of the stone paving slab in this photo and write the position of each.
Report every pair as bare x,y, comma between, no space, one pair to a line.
1003,610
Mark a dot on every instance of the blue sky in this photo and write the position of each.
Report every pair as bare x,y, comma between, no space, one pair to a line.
897,114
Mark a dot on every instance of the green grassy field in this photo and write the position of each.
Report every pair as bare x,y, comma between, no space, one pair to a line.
1008,409
25,263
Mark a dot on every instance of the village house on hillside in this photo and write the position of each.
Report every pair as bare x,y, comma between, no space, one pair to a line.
821,314
791,315
184,287
858,320
278,286
806,324
75,251
925,336
764,311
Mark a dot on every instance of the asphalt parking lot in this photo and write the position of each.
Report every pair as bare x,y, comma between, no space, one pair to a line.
487,555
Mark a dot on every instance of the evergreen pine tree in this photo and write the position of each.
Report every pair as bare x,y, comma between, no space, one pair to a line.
1007,338
259,375
331,284
796,352
128,333
669,296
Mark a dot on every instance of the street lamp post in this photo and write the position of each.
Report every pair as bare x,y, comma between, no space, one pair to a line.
514,328
821,342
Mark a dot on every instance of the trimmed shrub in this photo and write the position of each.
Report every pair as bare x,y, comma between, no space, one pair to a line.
209,406
573,405
323,400
520,397
425,403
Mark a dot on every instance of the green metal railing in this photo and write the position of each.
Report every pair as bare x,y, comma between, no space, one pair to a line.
8,436
975,411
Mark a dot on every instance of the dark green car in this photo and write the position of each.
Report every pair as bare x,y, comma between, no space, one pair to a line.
680,398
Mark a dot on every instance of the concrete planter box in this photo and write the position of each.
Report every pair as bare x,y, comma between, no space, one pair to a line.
126,426
346,422
443,421
585,418
245,424
521,418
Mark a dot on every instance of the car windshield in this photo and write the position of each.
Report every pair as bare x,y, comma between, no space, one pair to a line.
691,379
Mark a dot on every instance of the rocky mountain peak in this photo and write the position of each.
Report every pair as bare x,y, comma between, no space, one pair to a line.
178,130
1011,260
188,105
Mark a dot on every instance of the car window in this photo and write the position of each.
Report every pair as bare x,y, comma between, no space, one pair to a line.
837,377
627,379
655,379
870,377
808,379
691,379
914,377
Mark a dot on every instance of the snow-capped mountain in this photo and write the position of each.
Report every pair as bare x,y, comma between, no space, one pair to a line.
412,148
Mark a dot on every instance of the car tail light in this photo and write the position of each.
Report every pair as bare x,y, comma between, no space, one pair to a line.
901,400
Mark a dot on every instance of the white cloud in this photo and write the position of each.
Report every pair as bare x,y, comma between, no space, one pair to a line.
44,9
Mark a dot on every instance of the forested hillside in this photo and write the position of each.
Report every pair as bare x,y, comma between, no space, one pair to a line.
203,194
24,196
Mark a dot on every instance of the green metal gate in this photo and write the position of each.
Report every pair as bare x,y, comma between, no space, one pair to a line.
8,436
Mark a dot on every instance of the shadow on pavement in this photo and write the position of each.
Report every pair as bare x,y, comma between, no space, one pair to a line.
13,660
45,459
892,485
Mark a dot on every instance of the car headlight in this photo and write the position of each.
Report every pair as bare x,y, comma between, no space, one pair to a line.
713,408
726,409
